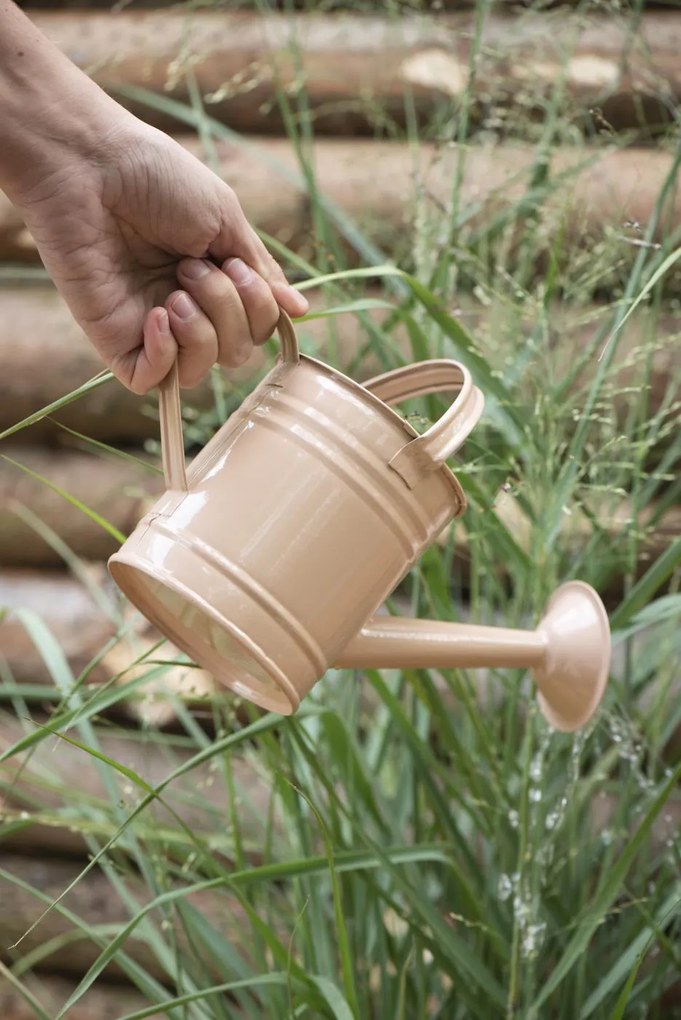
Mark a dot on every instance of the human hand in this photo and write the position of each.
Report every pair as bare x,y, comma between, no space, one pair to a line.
131,233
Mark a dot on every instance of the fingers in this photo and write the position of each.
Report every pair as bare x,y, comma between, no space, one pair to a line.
257,299
180,330
219,315
196,337
286,296
238,303
145,366
238,238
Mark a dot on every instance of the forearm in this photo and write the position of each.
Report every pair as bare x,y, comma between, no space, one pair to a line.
50,112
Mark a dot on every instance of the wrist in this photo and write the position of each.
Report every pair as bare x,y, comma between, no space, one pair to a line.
53,118
49,136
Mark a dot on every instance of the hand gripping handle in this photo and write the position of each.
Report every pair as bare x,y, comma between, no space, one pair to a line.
170,412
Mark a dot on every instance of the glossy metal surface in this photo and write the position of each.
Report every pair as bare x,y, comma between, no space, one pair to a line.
265,560
295,522
569,652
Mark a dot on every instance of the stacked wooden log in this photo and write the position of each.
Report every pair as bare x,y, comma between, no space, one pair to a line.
360,75
242,63
631,71
101,1002
36,320
610,189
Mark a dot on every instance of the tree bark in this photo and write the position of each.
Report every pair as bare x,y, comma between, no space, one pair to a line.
589,197
83,625
101,1002
95,900
45,355
43,788
80,626
363,71
116,489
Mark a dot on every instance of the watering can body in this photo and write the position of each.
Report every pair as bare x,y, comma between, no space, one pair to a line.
294,523
266,560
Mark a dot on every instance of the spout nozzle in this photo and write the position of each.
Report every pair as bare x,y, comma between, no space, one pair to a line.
574,672
569,653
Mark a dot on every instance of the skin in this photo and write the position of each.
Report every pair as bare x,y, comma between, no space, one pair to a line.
150,249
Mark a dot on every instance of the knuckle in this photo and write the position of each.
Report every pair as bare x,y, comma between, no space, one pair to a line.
230,194
189,263
276,271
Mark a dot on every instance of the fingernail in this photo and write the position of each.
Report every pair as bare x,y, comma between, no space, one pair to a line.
183,306
194,269
238,272
162,321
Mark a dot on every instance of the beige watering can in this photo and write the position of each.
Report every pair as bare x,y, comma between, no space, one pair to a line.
266,559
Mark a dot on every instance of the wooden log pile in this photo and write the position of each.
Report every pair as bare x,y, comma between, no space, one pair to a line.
108,1002
584,199
241,59
92,902
360,73
40,787
114,489
44,355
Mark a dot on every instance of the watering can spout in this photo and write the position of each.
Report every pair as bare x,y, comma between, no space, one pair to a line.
569,652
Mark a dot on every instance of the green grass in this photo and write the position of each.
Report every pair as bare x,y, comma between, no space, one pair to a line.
427,847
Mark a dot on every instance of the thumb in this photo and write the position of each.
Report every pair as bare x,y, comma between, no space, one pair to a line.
144,367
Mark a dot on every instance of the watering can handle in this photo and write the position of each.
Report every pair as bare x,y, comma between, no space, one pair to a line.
170,411
427,452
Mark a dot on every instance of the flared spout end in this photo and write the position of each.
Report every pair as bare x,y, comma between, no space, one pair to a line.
574,673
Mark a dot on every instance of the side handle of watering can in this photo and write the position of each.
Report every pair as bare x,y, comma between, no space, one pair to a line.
170,410
429,451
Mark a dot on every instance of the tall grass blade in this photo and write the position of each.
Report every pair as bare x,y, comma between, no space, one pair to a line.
74,502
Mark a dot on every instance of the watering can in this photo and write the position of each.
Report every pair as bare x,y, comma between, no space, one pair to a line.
265,560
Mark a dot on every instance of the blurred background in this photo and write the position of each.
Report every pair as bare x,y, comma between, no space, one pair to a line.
409,845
